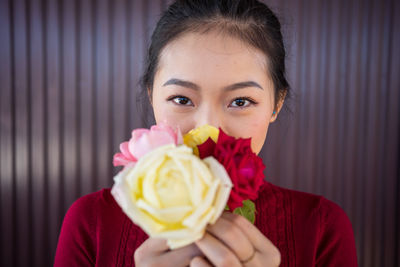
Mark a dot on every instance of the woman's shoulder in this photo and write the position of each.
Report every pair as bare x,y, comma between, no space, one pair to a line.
100,197
87,209
93,229
313,226
302,202
306,213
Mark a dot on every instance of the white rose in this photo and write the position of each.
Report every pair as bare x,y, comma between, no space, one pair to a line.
171,193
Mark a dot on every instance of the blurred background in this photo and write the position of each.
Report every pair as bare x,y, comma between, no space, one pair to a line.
68,96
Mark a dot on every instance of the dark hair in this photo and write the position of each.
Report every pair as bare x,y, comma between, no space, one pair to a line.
249,20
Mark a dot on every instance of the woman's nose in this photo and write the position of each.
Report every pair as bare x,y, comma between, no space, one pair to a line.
208,116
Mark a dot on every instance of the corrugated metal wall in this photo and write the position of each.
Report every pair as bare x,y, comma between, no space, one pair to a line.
68,76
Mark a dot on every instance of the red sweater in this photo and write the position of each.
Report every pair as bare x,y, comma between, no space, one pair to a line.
308,230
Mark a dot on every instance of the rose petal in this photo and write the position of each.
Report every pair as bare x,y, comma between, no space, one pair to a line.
149,142
177,243
120,160
193,219
225,188
124,147
122,195
167,215
207,148
144,194
137,133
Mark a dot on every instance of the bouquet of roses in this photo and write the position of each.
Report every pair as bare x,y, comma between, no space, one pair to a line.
172,186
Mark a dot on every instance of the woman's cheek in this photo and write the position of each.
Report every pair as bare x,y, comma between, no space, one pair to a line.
257,143
260,138
255,128
182,120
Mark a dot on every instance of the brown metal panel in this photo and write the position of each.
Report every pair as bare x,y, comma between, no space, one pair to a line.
353,153
337,73
54,83
359,108
69,115
382,90
293,164
153,13
321,92
37,149
103,92
351,115
390,176
371,229
22,131
85,86
117,130
69,73
136,50
286,126
7,136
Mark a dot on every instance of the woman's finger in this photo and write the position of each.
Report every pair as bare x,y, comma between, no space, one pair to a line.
233,237
181,256
199,262
151,247
216,252
259,241
155,251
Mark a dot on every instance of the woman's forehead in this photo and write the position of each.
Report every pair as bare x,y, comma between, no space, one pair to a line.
212,55
211,44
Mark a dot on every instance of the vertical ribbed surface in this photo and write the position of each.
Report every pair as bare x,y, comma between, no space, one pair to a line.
342,138
68,80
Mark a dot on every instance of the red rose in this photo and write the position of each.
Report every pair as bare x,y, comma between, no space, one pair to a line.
244,167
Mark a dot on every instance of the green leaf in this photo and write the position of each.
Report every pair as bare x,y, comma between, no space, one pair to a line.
248,210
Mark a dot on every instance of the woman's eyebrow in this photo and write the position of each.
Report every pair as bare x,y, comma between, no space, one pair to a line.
231,87
182,83
241,85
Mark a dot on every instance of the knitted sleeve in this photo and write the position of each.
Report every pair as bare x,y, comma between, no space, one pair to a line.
336,244
77,240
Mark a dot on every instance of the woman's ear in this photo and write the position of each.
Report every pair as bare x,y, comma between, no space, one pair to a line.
150,95
279,105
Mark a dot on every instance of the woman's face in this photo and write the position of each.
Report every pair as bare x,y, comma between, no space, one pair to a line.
217,80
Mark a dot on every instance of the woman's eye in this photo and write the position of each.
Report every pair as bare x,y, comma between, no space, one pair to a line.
181,100
242,102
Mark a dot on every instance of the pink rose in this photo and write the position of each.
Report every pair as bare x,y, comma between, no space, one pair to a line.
144,140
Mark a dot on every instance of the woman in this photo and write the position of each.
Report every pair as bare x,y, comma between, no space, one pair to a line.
219,63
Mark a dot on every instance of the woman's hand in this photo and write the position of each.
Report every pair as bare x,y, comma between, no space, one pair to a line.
155,252
233,241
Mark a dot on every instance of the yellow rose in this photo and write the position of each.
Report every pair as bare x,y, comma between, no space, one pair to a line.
199,135
171,193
